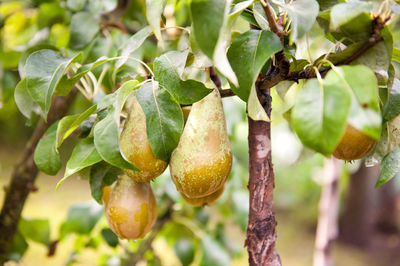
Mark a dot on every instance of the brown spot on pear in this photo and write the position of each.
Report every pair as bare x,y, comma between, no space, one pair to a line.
136,148
202,161
198,202
354,145
130,208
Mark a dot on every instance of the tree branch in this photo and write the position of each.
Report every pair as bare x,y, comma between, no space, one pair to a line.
327,229
273,25
377,25
24,175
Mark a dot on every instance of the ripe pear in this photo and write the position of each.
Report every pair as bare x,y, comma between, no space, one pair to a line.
354,145
198,202
202,161
136,148
130,208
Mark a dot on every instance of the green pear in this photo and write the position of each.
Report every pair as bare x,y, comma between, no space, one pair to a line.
130,208
136,148
202,161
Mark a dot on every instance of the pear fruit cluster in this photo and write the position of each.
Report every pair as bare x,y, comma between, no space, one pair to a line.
199,166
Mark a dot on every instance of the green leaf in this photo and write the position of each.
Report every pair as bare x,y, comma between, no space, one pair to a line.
389,167
365,112
164,119
28,52
132,44
44,70
18,248
320,113
259,16
84,26
392,107
248,54
109,236
83,155
102,175
106,140
168,69
46,156
396,55
23,99
214,254
209,28
345,12
76,5
154,9
303,14
255,110
107,131
81,219
37,230
68,124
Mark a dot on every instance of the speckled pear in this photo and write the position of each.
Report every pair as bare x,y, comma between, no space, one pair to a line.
130,208
199,202
136,148
202,161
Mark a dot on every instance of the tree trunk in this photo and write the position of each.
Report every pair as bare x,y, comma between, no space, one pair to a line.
23,177
261,231
327,228
368,210
357,220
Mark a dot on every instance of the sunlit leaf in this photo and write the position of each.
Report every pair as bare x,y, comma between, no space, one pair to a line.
209,24
303,14
168,69
247,55
44,70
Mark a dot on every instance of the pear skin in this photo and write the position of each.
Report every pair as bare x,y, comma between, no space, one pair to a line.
199,202
202,161
136,148
130,208
354,145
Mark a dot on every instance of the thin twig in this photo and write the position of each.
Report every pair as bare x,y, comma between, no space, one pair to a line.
273,25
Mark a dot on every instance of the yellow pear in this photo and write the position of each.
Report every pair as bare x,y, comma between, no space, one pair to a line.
198,202
130,208
354,145
202,161
136,148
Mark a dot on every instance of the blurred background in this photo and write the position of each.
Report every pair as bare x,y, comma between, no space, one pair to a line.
74,224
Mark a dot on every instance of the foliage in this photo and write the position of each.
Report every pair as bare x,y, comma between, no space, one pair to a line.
108,54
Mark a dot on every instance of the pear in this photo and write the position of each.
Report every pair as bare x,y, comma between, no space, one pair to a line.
353,145
130,208
136,148
202,161
199,202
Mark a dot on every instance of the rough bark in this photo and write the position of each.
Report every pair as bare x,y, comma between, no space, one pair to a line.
357,221
368,210
327,228
261,231
24,175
